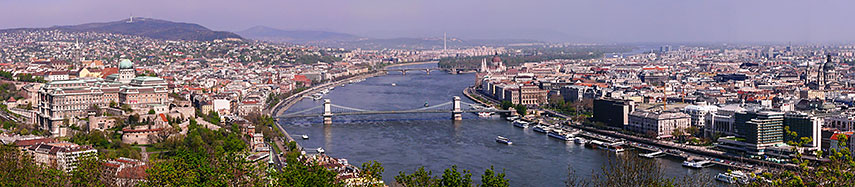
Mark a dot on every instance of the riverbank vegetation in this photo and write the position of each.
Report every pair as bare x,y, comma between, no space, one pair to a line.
451,177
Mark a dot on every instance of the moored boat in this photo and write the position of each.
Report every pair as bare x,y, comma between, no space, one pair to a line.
733,177
320,150
520,124
512,118
541,128
559,134
305,136
580,140
697,164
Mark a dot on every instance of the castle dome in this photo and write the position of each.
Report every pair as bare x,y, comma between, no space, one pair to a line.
126,64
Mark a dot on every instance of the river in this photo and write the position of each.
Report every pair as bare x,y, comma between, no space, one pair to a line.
404,142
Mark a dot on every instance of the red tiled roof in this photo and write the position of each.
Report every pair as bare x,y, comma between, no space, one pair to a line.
109,71
30,142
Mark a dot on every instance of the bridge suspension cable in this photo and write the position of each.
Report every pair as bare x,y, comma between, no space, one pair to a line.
428,108
304,111
350,108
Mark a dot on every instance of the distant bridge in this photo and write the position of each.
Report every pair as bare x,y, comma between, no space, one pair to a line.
455,107
427,70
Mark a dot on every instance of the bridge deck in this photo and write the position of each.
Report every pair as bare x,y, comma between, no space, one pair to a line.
387,112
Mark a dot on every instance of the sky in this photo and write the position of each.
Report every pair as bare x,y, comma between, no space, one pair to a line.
549,20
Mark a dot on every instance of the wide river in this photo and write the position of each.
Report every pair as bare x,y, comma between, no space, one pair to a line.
405,142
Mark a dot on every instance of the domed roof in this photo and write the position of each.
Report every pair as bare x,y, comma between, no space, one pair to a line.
828,65
126,64
496,59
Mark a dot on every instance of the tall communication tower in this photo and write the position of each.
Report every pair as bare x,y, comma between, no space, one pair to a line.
444,41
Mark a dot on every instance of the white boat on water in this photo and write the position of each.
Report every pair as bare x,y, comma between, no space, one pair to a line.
504,140
580,140
559,134
320,150
305,136
697,164
485,114
317,96
520,124
541,128
512,118
393,84
732,177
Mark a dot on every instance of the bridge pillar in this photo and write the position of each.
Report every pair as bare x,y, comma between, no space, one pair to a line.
327,113
403,72
428,71
456,112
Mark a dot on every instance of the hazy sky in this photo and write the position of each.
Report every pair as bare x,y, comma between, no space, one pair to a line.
557,20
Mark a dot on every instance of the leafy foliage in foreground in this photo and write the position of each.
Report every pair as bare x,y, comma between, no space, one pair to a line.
450,177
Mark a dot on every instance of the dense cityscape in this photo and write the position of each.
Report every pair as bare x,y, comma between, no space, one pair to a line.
150,102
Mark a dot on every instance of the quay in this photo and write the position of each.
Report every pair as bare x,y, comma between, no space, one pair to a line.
676,150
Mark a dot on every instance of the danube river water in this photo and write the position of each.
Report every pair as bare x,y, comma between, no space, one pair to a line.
405,142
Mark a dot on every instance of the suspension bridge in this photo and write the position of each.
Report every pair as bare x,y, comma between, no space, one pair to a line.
455,107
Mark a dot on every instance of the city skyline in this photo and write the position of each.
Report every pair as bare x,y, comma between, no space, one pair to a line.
553,21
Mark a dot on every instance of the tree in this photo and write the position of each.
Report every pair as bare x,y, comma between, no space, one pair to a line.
506,104
628,170
127,108
677,133
493,179
372,171
420,177
453,178
89,172
693,131
151,111
521,109
20,170
113,104
299,174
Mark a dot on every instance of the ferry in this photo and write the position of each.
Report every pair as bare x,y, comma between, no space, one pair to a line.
305,136
320,150
485,114
317,96
426,104
652,155
580,140
594,144
393,84
504,140
325,91
541,128
614,147
697,164
558,133
512,118
520,124
732,177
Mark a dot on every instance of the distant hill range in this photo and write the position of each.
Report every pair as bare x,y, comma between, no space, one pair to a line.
427,43
294,36
344,40
146,27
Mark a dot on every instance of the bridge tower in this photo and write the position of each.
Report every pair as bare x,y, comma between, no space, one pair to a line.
428,71
327,113
456,112
403,72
